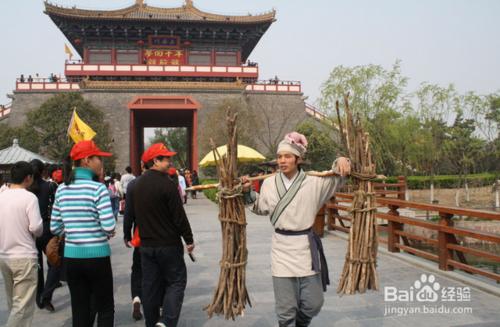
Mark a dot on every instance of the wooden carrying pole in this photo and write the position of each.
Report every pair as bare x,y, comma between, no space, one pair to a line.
326,173
230,296
359,273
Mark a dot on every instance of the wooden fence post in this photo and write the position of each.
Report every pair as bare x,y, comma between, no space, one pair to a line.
444,238
402,189
331,212
392,226
319,222
497,194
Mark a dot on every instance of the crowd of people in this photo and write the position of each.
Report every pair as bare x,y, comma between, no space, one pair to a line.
53,78
70,213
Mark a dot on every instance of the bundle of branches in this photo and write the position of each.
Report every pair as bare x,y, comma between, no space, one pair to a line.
230,296
359,273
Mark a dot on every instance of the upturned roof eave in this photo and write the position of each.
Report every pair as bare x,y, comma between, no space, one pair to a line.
124,14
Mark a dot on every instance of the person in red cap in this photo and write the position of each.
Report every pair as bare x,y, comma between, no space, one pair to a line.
82,213
162,222
57,176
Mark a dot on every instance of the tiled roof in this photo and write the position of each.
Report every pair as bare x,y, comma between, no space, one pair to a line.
141,11
15,153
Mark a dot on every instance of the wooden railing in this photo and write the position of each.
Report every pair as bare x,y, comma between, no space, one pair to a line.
275,86
449,252
44,85
5,111
160,70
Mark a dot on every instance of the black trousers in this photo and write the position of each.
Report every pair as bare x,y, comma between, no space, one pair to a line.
90,284
136,276
163,265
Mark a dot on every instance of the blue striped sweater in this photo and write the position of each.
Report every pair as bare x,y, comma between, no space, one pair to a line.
82,212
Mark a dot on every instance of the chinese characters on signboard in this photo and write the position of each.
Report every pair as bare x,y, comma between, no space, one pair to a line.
164,57
162,41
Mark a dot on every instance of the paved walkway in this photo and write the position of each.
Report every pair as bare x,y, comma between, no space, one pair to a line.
358,310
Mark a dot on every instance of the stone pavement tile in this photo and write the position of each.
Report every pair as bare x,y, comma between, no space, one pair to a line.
363,313
437,320
330,319
494,323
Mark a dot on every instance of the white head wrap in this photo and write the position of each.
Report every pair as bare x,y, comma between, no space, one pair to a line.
295,143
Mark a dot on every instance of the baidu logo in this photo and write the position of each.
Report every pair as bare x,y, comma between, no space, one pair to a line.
424,289
426,296
427,288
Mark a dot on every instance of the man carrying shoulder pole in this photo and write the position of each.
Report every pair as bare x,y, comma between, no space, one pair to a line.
292,198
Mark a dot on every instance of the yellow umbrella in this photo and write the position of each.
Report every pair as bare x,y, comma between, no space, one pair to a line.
245,155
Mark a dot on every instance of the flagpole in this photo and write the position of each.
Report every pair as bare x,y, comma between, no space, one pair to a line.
71,124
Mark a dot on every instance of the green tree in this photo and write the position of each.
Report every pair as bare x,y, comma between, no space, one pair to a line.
322,149
47,126
422,132
371,89
7,135
45,129
434,105
378,97
176,139
462,147
493,116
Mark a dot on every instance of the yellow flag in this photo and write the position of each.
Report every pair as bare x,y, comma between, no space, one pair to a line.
68,51
78,130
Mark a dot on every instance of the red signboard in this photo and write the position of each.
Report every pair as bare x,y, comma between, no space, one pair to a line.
164,57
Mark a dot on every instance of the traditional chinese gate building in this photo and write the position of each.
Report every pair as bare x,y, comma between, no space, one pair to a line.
160,67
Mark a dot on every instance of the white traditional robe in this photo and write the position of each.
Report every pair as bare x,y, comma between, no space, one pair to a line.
291,255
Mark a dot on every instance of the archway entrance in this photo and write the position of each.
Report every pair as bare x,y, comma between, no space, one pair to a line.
162,111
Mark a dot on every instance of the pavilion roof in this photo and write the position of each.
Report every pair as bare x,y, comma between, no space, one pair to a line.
141,11
15,153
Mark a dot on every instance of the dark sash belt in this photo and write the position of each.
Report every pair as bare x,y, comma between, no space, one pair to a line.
319,264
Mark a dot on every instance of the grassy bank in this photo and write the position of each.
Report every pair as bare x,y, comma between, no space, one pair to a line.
212,193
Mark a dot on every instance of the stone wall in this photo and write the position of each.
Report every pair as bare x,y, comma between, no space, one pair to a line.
279,112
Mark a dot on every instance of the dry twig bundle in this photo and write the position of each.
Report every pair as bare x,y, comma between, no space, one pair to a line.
230,296
359,273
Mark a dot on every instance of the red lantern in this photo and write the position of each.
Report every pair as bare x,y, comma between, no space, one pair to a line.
140,43
77,41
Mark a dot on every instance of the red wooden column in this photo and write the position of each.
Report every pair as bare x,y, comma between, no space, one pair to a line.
134,160
113,56
86,56
194,141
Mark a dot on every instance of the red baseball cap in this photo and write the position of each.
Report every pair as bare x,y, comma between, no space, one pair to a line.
156,150
57,176
84,149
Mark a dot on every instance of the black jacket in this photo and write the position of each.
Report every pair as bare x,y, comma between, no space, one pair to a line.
129,214
159,212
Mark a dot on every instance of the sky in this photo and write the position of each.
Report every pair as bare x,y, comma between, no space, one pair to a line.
438,41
